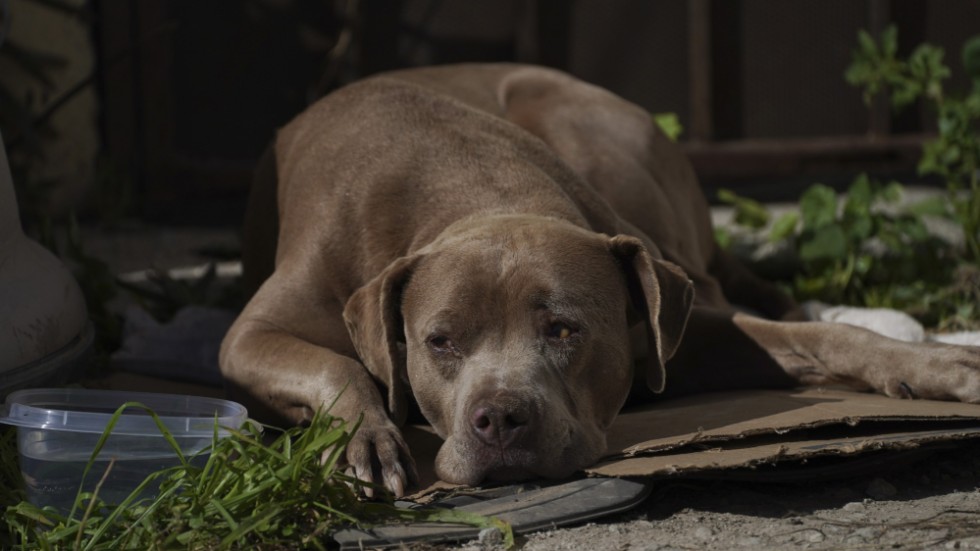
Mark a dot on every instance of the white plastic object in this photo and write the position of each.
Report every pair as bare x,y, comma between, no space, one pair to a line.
58,429
44,325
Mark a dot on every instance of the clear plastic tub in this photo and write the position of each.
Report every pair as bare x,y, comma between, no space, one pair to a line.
58,429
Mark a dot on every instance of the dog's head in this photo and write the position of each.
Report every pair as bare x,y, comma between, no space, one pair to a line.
514,337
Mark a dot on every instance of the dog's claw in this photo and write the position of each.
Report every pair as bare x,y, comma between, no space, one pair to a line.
396,483
906,391
380,456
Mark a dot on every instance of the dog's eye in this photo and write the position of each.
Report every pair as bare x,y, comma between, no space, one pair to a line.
440,343
559,330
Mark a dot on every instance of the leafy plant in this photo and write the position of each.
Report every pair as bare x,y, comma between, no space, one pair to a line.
843,253
864,249
954,154
291,493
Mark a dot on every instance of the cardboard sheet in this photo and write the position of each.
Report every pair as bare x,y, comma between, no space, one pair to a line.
738,415
744,429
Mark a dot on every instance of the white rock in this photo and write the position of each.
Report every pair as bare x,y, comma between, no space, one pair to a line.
890,323
963,338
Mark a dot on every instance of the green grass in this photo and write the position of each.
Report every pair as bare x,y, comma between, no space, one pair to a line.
291,493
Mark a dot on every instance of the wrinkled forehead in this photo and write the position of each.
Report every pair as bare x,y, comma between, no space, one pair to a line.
554,269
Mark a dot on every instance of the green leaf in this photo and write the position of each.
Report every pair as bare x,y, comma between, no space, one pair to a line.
818,206
813,286
860,228
933,206
889,41
784,227
826,243
748,212
912,228
859,197
905,92
971,57
893,192
929,162
724,238
670,124
952,155
863,264
867,43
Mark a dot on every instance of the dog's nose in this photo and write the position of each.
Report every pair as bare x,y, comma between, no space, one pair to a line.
500,425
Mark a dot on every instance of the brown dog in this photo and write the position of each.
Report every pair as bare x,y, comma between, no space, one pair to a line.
511,248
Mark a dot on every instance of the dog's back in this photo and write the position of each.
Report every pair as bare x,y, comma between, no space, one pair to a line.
616,171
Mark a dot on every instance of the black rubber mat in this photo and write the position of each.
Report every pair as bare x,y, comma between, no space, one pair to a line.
526,507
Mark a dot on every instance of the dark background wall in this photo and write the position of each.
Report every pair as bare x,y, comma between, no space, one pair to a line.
190,91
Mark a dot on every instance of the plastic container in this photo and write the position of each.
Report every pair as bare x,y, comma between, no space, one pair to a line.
58,429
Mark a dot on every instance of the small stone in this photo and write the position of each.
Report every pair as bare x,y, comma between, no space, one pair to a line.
643,524
703,533
952,544
880,489
490,536
854,507
867,533
814,536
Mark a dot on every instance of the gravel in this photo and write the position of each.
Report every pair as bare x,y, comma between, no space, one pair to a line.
931,502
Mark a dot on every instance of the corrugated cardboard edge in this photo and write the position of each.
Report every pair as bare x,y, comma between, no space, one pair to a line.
719,417
719,459
748,428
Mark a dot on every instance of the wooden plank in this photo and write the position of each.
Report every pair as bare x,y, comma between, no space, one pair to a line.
761,160
118,86
726,69
554,22
380,25
699,69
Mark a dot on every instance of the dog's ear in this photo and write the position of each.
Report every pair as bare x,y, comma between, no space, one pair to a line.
663,295
374,322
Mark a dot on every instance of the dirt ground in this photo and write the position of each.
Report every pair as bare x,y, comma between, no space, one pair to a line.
917,500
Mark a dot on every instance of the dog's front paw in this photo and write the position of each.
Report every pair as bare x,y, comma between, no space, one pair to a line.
379,455
936,372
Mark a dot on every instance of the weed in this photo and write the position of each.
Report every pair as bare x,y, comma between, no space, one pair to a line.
290,493
864,249
954,154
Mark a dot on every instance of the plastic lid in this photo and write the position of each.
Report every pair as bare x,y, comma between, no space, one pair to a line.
87,410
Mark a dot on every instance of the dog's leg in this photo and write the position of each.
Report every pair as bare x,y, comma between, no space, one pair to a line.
743,288
294,377
746,351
